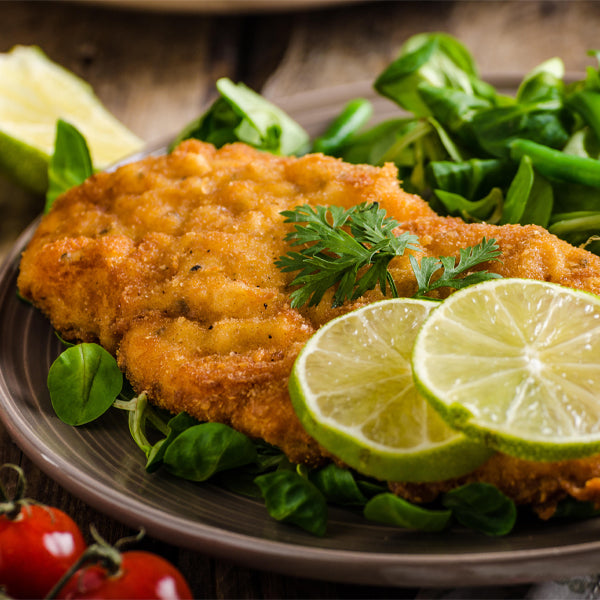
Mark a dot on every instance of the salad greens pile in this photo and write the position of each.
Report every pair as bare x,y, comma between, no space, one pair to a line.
468,149
85,381
459,143
485,156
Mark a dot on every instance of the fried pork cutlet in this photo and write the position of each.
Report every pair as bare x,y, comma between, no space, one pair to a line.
169,264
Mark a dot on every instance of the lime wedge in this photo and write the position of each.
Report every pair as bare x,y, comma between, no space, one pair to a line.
352,388
515,363
34,94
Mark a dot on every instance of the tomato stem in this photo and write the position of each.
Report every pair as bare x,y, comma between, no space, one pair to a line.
131,539
100,553
10,507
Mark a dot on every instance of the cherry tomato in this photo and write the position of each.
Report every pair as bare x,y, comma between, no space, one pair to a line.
141,575
36,548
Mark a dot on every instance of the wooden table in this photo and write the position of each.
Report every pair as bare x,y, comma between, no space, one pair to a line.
155,70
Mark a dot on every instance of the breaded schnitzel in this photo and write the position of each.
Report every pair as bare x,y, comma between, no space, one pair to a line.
169,264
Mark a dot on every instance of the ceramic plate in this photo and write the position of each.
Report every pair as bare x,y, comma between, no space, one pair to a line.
101,464
217,6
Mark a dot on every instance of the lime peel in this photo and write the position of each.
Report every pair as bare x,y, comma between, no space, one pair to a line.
537,411
371,427
35,93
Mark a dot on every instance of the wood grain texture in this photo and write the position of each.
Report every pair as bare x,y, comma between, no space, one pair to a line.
156,71
504,37
153,71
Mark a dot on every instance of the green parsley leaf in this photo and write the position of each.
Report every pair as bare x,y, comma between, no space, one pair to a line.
350,250
485,251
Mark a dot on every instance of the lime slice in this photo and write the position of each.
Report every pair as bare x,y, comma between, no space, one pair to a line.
515,363
353,391
35,93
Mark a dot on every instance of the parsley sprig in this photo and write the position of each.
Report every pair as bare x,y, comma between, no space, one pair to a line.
485,251
340,244
352,248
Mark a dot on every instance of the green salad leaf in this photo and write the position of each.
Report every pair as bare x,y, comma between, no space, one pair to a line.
352,118
392,510
529,199
70,164
482,507
338,486
240,114
176,425
487,209
294,499
83,382
199,452
437,59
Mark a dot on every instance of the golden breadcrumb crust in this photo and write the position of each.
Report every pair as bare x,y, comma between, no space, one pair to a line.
169,263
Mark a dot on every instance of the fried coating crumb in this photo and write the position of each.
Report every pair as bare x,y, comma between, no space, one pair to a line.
169,264
540,484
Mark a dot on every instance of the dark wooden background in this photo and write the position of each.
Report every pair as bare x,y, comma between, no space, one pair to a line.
155,70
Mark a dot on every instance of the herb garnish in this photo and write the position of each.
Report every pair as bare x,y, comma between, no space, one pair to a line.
469,257
337,256
352,249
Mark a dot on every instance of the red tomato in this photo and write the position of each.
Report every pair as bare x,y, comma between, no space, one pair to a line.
142,575
36,549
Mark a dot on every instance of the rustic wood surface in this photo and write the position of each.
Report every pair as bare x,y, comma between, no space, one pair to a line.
155,70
